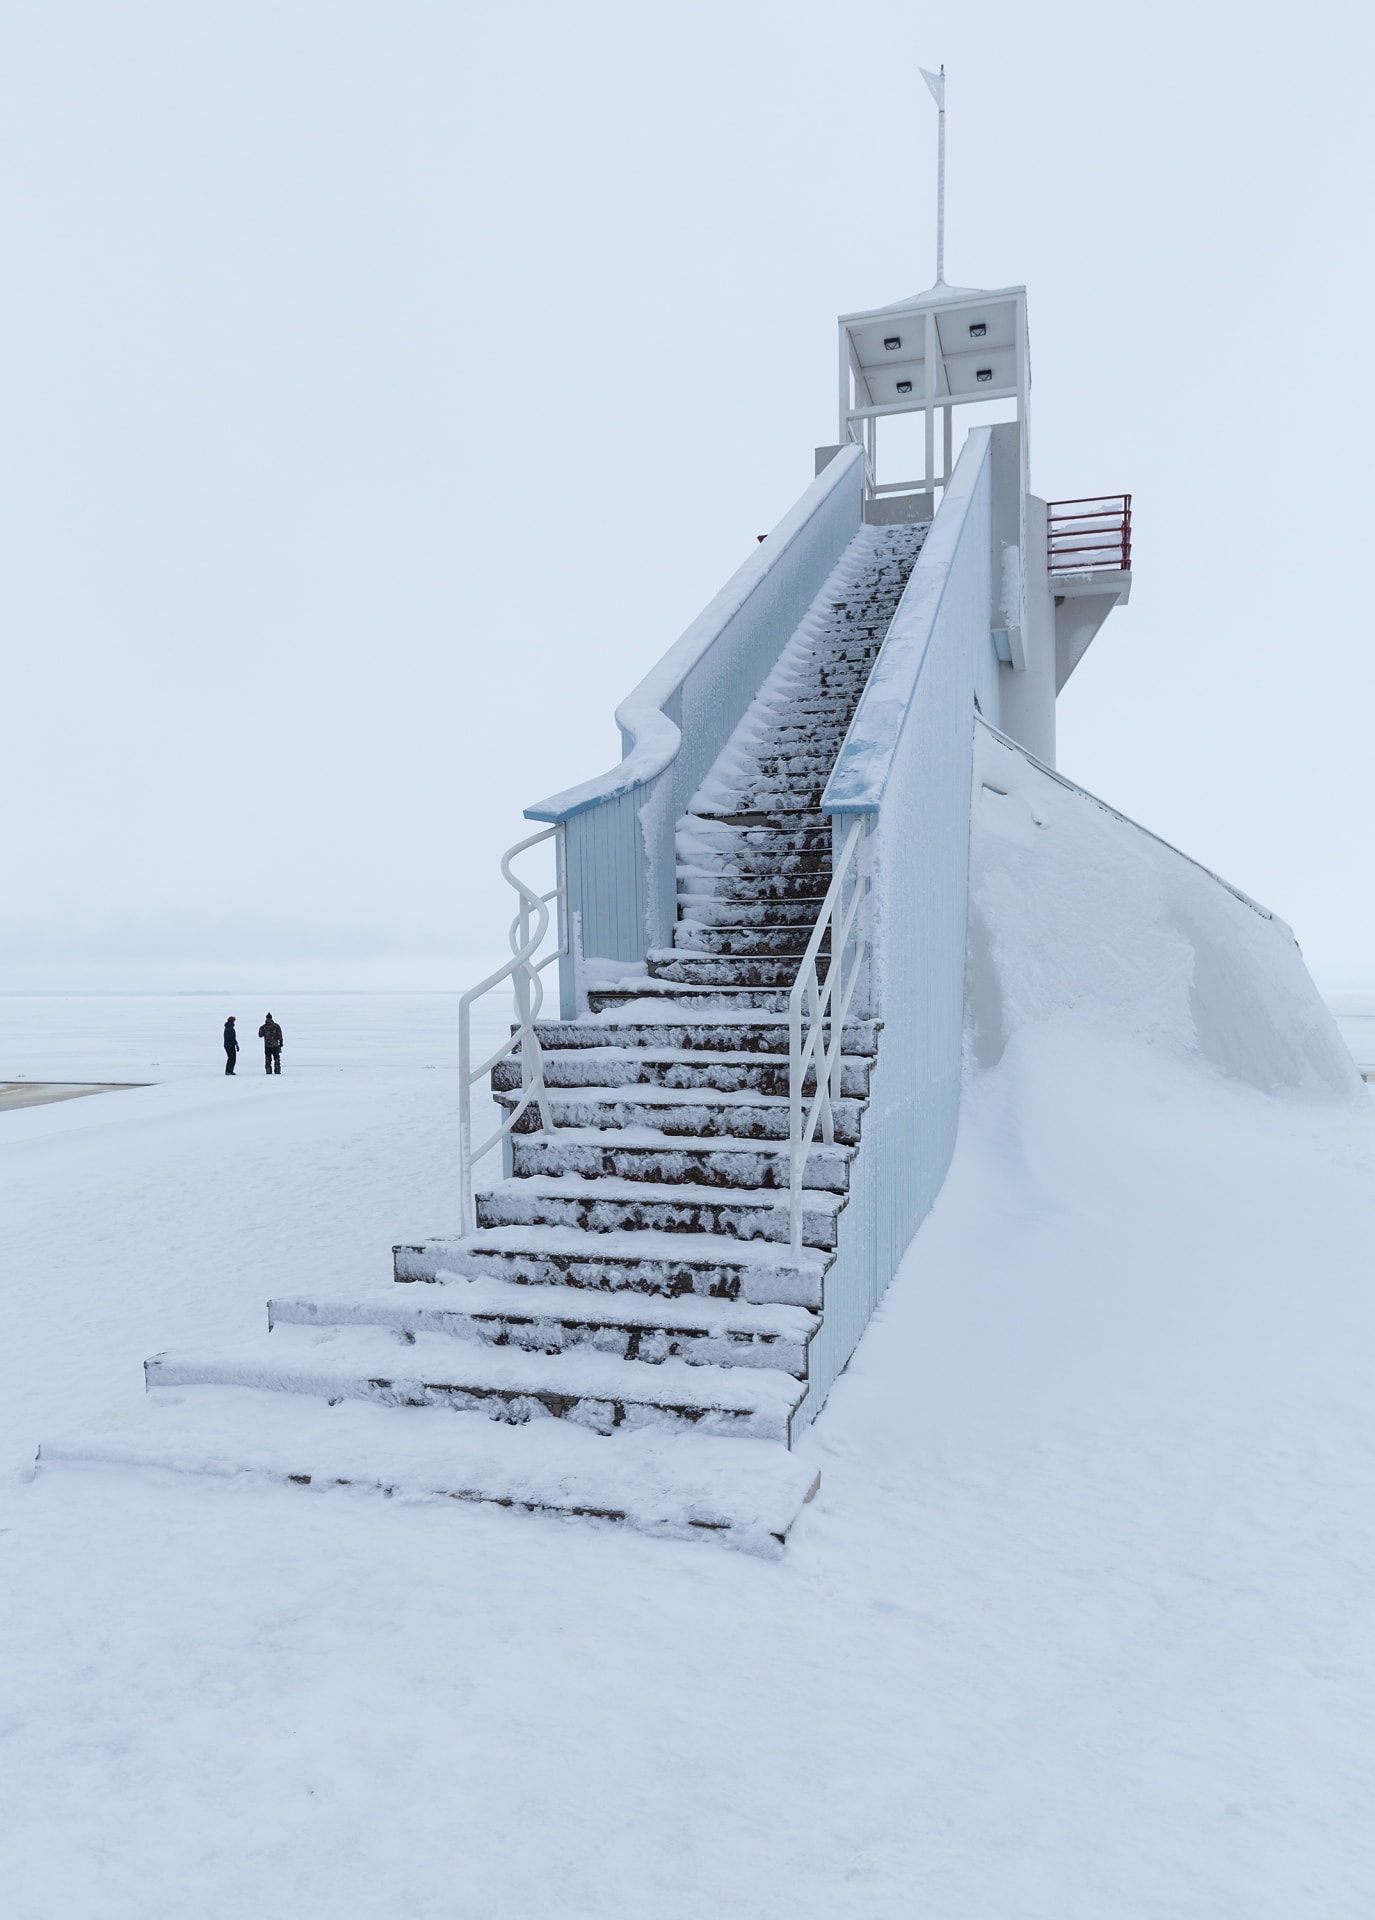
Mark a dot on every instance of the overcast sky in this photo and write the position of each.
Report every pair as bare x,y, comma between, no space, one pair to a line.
384,387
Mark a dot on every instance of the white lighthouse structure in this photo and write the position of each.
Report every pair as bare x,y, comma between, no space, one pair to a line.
716,1146
1061,567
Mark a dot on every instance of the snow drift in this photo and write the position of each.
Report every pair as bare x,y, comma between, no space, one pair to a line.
1075,909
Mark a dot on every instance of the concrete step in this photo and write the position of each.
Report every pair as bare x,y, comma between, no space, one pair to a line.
771,797
606,1205
712,1265
674,1113
638,996
795,873
786,736
594,1153
741,970
838,681
826,708
707,829
747,1033
594,1390
791,938
673,1067
789,817
743,1493
755,778
783,879
706,910
795,765
627,1326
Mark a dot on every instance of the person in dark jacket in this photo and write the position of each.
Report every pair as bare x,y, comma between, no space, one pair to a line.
231,1045
271,1036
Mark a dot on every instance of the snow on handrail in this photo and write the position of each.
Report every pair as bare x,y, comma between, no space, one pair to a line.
822,1005
863,765
652,737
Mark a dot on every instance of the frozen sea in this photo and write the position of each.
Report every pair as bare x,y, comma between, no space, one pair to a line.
1079,1624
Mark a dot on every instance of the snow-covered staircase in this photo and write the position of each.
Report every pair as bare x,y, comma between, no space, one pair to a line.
628,1314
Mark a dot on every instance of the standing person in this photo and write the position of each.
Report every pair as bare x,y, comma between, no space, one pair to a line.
231,1045
271,1036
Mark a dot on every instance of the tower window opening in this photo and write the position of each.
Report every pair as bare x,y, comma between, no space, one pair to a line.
892,343
984,374
977,329
904,386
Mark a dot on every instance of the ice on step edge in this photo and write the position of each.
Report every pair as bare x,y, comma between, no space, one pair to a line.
333,1359
432,1310
746,1493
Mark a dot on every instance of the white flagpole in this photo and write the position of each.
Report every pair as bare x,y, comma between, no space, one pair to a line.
936,82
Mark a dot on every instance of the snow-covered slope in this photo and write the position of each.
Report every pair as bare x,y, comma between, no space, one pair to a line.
1077,1626
1078,913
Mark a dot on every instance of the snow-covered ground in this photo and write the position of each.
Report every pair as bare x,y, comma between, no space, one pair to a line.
1079,1624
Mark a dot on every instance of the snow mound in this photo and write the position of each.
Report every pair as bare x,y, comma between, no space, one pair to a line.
1075,909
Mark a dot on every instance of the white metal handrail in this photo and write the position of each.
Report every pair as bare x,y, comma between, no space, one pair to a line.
826,1004
527,933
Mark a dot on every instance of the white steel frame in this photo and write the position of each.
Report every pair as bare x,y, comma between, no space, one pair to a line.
859,422
527,934
820,1006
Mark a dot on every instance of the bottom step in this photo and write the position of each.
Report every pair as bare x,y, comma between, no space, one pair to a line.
746,1493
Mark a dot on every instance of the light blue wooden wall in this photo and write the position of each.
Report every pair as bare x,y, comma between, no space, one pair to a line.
907,767
622,883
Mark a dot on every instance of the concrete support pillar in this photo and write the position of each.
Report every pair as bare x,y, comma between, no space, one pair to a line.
1027,694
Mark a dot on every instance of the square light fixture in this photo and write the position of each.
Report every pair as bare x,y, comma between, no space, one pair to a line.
984,375
904,386
977,329
892,343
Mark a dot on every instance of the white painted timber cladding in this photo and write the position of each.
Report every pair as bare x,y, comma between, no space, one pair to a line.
908,765
620,828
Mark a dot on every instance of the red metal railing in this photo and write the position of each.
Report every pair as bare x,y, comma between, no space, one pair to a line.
1089,536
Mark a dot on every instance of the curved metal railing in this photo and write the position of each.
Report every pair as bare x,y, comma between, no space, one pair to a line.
527,934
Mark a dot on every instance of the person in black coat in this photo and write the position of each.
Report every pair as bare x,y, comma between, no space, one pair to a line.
231,1045
271,1036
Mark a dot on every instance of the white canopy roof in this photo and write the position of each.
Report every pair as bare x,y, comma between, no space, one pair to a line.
975,333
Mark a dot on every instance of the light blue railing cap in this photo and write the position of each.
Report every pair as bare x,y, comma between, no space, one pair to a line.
652,738
865,760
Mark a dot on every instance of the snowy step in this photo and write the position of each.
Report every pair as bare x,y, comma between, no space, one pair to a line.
744,1493
757,970
690,1112
637,996
593,1153
692,936
794,776
761,790
700,838
594,1390
784,815
550,1320
706,910
795,766
791,877
756,1271
707,1033
776,770
755,863
828,703
669,1067
765,800
788,733
602,1205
